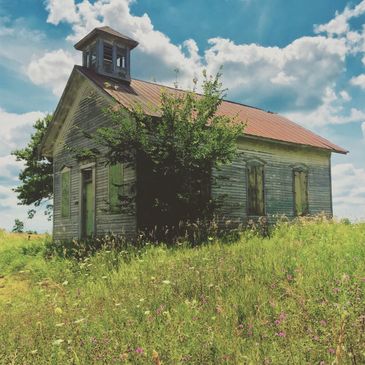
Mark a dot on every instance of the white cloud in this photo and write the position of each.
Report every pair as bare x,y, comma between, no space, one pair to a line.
15,129
358,81
52,70
339,25
295,76
61,11
345,95
363,129
15,132
330,111
349,191
299,72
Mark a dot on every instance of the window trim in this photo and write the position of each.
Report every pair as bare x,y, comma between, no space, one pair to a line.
256,162
300,167
62,171
115,211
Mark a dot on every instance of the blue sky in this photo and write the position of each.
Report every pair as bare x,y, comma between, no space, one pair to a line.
304,59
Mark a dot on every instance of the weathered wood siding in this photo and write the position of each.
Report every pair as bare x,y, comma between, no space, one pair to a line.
85,114
279,161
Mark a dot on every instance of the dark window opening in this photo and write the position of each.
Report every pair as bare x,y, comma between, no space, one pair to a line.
108,57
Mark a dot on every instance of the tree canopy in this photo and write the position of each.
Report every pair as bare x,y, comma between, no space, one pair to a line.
36,178
173,154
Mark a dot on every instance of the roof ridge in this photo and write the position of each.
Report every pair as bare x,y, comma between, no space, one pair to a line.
186,90
263,124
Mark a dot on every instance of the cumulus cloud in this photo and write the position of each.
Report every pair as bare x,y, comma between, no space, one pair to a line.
15,129
52,70
349,191
295,76
331,110
15,133
340,23
358,81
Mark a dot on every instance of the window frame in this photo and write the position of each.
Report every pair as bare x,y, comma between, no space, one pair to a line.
300,168
115,209
64,170
249,164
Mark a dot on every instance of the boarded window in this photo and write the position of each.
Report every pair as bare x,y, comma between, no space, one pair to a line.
115,186
65,193
300,192
256,199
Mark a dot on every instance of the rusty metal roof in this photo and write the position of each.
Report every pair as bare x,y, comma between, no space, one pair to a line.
259,123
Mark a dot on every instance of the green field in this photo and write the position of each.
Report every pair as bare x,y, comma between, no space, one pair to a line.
297,297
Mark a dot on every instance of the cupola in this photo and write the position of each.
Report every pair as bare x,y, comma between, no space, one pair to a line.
107,52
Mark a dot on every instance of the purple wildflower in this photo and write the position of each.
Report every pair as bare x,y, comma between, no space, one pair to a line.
139,350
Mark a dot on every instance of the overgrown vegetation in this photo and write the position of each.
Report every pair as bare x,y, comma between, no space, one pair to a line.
296,297
36,178
174,156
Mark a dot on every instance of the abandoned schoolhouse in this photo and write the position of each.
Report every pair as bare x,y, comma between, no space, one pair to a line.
282,168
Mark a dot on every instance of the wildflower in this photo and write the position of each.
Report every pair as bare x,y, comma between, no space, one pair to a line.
289,277
281,334
323,323
277,322
33,352
156,357
166,282
147,313
331,350
139,350
58,342
58,310
336,290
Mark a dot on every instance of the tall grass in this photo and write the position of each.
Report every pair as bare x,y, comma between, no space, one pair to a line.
297,297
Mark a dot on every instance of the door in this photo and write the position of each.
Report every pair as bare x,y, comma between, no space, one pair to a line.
88,204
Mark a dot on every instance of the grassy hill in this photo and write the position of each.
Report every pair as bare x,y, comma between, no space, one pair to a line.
297,297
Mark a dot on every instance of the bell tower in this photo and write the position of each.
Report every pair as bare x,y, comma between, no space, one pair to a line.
107,52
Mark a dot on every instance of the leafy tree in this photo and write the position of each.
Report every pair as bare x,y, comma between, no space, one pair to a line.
18,226
174,154
37,175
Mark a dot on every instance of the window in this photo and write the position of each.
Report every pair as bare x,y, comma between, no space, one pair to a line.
300,187
92,57
121,58
65,192
255,191
115,186
108,57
